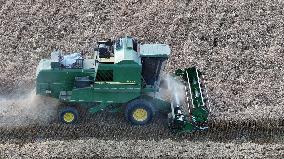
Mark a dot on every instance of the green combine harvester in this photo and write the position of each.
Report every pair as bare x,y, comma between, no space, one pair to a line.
122,75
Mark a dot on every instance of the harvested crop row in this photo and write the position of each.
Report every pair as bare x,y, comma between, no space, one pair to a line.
109,126
140,149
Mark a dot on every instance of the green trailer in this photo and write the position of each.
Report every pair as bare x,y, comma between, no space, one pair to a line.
122,75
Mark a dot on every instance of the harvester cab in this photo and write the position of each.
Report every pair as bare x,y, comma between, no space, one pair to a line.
123,75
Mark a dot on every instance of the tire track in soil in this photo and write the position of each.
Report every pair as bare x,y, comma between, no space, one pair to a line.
108,126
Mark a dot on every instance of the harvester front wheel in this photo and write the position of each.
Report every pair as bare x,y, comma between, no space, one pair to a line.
139,112
68,115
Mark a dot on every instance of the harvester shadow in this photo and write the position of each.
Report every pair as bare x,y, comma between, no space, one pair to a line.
109,126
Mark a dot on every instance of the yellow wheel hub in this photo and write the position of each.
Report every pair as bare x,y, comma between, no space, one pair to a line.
68,117
140,114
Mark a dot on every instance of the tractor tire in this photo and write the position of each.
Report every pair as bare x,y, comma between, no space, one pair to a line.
68,115
139,112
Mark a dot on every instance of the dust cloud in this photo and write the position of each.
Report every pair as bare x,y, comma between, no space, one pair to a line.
26,109
172,89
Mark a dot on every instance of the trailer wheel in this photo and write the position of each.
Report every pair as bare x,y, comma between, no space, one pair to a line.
139,112
68,115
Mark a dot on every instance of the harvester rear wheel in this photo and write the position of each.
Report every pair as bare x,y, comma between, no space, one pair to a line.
68,115
139,112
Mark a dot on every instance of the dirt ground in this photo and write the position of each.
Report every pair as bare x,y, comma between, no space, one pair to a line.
238,44
141,149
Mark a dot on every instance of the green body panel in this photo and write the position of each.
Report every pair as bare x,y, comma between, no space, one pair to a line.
124,71
99,108
149,89
51,82
124,86
106,93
